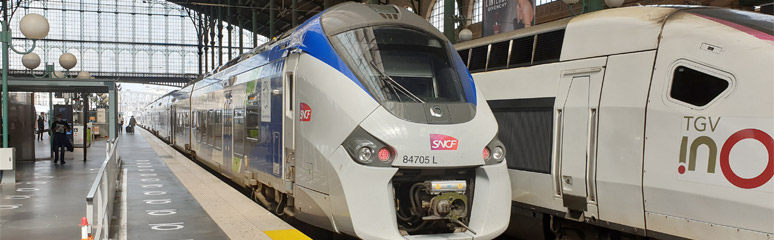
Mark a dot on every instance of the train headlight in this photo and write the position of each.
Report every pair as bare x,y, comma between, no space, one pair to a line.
365,154
494,152
362,146
498,153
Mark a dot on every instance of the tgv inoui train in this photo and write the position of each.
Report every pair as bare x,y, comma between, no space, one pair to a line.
639,121
363,120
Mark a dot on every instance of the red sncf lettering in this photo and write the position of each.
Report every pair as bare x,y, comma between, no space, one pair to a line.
443,142
305,112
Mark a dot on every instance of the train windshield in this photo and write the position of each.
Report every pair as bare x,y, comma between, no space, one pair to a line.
401,65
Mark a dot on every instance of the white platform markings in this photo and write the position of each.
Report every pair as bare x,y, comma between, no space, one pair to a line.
167,226
18,197
154,193
162,212
10,207
157,201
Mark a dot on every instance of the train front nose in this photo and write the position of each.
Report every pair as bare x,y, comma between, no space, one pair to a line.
397,203
399,185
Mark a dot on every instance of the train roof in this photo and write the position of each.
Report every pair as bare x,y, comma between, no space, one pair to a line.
620,30
339,18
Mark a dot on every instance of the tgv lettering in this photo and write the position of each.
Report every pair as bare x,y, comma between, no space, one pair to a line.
725,151
700,123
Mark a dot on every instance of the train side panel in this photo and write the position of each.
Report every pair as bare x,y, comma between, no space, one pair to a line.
207,101
334,110
181,126
619,147
709,157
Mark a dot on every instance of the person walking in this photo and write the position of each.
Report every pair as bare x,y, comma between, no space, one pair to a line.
132,122
41,125
59,130
120,124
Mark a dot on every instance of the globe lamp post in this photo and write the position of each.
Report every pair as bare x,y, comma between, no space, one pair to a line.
33,26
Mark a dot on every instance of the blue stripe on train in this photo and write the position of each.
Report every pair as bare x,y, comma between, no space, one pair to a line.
310,38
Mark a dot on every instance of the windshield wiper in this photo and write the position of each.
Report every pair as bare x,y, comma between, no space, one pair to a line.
393,84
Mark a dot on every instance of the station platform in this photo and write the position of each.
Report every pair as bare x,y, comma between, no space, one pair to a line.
163,195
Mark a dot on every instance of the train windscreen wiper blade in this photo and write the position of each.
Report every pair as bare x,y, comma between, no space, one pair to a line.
387,79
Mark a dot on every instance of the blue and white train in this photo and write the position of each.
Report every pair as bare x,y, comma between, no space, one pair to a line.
363,120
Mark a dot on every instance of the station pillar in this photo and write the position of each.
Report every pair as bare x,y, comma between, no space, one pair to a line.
448,20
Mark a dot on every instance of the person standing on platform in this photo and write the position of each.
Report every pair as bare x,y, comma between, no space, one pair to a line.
41,125
120,124
59,130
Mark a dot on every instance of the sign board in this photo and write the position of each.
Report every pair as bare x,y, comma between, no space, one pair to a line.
78,135
101,115
507,15
7,158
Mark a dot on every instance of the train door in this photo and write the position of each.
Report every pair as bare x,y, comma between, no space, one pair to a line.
288,119
227,132
620,140
172,127
210,127
577,122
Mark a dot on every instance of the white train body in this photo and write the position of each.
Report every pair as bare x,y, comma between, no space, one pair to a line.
292,120
654,121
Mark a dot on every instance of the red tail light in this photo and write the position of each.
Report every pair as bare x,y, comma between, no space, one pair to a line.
384,154
486,153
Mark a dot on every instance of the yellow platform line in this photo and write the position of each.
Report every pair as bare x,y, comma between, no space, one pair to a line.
287,234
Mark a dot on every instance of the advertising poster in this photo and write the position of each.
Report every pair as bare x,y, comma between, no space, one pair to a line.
101,115
507,15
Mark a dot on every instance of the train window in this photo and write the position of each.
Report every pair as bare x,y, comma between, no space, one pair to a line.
548,47
290,91
252,122
239,134
415,67
210,127
478,58
695,87
526,130
218,129
521,51
201,126
498,55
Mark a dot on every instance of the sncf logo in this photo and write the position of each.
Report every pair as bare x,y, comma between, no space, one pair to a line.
443,142
305,112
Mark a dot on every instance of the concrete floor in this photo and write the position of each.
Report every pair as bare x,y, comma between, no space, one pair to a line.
158,205
43,148
156,201
48,200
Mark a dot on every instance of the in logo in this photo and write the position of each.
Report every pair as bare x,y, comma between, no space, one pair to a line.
443,142
689,151
305,112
